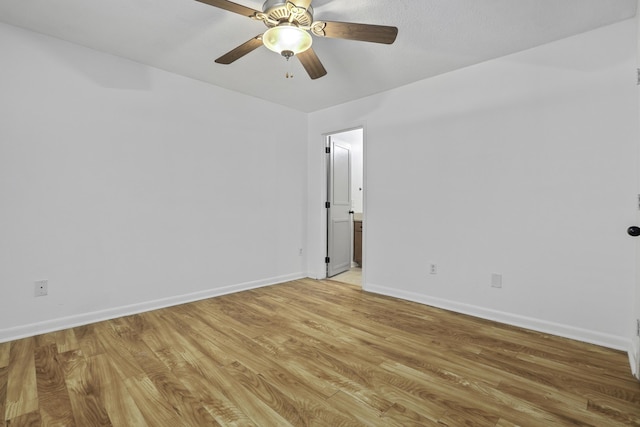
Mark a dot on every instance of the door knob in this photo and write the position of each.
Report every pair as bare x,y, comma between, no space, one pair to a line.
633,231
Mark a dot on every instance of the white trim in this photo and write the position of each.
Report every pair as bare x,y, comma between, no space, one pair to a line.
566,331
14,333
634,357
324,193
365,206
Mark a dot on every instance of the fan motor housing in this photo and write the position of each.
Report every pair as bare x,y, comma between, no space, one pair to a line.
277,10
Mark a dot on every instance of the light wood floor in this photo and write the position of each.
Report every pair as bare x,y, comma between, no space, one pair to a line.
311,353
352,276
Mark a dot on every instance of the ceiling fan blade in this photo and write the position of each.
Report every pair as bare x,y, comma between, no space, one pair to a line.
361,32
240,51
231,7
312,64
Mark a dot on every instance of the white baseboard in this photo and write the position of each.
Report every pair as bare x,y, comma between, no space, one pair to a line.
634,357
605,340
32,329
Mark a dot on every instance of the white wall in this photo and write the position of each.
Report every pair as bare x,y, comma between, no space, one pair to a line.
130,188
525,166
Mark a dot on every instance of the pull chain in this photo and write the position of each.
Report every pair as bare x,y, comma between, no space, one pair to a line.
289,74
288,54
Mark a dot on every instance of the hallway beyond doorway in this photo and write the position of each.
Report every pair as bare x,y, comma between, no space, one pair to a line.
352,277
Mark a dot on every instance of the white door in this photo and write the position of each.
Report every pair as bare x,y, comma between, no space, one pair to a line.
635,347
338,207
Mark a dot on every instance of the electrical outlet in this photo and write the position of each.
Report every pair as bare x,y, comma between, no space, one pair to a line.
496,280
41,288
300,252
433,269
638,327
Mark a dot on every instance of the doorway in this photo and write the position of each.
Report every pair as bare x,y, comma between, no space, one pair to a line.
345,207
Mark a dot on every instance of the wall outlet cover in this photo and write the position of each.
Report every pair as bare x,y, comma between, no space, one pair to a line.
433,269
41,288
496,280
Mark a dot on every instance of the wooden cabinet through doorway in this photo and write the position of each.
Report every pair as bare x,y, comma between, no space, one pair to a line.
357,242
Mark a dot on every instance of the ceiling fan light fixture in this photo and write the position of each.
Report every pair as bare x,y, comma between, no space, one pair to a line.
287,37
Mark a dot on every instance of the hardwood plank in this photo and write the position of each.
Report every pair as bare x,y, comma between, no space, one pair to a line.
88,341
184,330
407,417
66,340
5,348
22,390
313,353
555,407
496,379
151,405
409,408
446,395
53,397
255,409
304,395
469,417
570,374
481,403
32,419
177,396
350,386
609,409
4,376
295,379
568,380
120,406
85,390
196,374
44,340
155,410
118,352
279,402
364,413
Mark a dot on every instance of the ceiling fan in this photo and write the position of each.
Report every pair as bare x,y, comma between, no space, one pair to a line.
289,23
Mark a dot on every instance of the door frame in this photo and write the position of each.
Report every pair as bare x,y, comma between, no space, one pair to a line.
634,347
324,183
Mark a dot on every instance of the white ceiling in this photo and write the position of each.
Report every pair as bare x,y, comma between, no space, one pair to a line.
435,36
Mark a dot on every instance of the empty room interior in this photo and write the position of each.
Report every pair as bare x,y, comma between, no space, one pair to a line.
169,221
